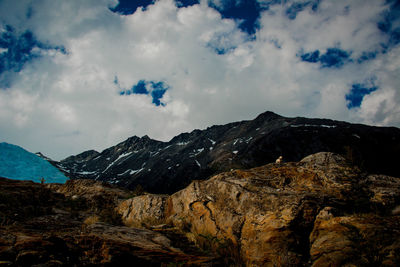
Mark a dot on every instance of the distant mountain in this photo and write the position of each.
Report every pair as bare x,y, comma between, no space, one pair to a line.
19,164
165,167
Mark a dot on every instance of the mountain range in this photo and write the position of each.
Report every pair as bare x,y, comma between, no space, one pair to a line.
166,167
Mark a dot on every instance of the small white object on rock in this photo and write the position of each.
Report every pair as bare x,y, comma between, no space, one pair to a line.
279,160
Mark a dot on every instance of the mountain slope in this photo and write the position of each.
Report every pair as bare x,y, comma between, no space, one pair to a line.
19,164
165,167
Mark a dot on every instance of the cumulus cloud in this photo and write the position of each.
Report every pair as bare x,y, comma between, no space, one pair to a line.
213,69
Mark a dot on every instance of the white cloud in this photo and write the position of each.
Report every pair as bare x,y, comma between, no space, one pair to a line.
382,106
64,104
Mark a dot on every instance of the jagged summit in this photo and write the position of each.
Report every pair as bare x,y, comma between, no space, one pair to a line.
84,156
165,167
268,116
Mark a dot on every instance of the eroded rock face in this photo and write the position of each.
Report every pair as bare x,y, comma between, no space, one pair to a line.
145,209
320,211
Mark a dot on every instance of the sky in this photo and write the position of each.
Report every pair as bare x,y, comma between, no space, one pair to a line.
78,75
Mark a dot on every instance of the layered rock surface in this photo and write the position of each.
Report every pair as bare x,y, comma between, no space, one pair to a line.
320,211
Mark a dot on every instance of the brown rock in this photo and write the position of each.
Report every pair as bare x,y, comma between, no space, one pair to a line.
88,189
355,240
145,209
270,213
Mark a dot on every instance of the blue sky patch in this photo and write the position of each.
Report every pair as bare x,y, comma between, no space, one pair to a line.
155,89
140,88
246,13
365,56
356,95
128,7
332,58
390,24
17,50
158,92
312,57
186,3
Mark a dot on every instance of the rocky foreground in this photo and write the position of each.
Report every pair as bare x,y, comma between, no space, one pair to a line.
320,211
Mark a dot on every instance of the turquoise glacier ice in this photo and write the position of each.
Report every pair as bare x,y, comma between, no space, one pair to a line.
19,164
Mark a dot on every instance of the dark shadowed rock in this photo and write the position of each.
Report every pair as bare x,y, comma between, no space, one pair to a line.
76,225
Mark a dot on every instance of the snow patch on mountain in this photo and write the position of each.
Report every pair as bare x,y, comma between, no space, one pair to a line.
312,125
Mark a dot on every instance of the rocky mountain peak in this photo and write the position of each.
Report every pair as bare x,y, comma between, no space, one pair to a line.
84,156
268,116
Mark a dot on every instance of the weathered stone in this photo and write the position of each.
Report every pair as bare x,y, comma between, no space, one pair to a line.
146,209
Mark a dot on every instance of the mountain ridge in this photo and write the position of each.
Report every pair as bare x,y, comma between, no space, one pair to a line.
165,167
